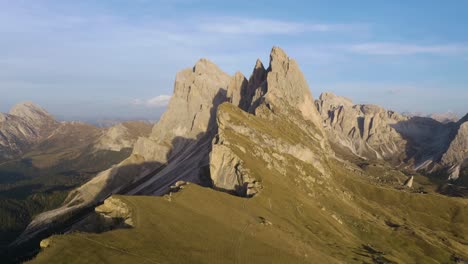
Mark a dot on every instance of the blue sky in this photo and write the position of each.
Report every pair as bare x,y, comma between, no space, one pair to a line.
118,59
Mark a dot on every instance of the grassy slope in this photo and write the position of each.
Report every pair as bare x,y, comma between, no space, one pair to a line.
314,219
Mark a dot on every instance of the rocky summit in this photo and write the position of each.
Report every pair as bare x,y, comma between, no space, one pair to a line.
255,170
24,125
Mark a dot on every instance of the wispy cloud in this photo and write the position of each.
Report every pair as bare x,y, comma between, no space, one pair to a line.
246,25
155,102
384,48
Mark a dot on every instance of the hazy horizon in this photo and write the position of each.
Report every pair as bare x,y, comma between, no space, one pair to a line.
118,59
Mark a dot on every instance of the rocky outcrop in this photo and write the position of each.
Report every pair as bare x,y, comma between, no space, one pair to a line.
228,173
115,208
409,182
45,243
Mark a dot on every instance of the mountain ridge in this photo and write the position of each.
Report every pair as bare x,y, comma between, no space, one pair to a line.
269,144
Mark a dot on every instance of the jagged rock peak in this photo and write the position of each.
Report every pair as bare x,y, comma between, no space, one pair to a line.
287,87
278,59
259,64
237,89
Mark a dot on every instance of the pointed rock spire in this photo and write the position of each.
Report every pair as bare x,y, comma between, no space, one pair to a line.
287,87
255,88
259,65
237,88
278,60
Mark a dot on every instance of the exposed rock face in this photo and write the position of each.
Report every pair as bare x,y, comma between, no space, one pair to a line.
190,112
365,130
237,89
228,173
25,125
372,132
409,182
123,135
287,87
182,138
279,91
33,114
457,153
45,243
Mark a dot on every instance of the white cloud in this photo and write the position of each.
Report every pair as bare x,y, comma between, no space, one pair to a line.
155,102
384,48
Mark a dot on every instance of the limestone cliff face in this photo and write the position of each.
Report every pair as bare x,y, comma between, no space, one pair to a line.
457,153
229,174
237,89
372,132
181,140
365,130
287,87
25,125
190,113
